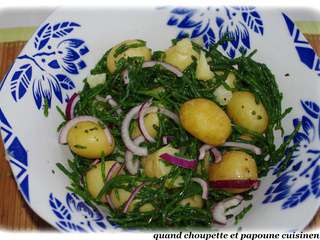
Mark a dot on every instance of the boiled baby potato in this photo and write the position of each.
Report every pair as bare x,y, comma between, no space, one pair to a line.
223,96
142,51
203,71
235,165
194,201
180,55
151,164
88,139
94,178
245,111
206,121
120,196
150,120
155,166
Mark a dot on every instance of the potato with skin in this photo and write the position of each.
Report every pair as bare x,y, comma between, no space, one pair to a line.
154,166
88,139
235,165
120,197
194,201
206,121
150,120
180,55
130,52
94,178
245,111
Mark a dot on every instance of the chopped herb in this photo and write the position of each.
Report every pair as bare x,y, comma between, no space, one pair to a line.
61,113
103,165
241,215
61,125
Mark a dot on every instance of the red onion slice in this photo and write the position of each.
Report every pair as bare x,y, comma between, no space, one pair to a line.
132,196
64,131
247,146
167,139
167,66
239,197
74,99
234,183
202,151
204,186
179,161
133,113
109,201
232,201
145,108
109,135
133,166
115,168
125,135
218,213
95,162
169,114
219,210
217,154
110,101
113,103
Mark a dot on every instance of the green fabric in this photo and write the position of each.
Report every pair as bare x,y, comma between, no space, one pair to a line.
16,34
24,33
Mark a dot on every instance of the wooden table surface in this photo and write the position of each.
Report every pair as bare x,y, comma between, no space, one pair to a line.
14,212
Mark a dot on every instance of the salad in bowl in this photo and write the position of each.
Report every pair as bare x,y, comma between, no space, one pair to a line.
179,137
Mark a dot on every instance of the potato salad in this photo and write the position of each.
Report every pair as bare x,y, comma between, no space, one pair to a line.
178,137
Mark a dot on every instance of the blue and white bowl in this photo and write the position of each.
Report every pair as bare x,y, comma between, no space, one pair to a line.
69,43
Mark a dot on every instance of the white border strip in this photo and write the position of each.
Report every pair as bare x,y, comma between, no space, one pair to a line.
149,3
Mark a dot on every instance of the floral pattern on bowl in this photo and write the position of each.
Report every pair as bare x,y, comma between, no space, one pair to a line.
41,69
235,22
